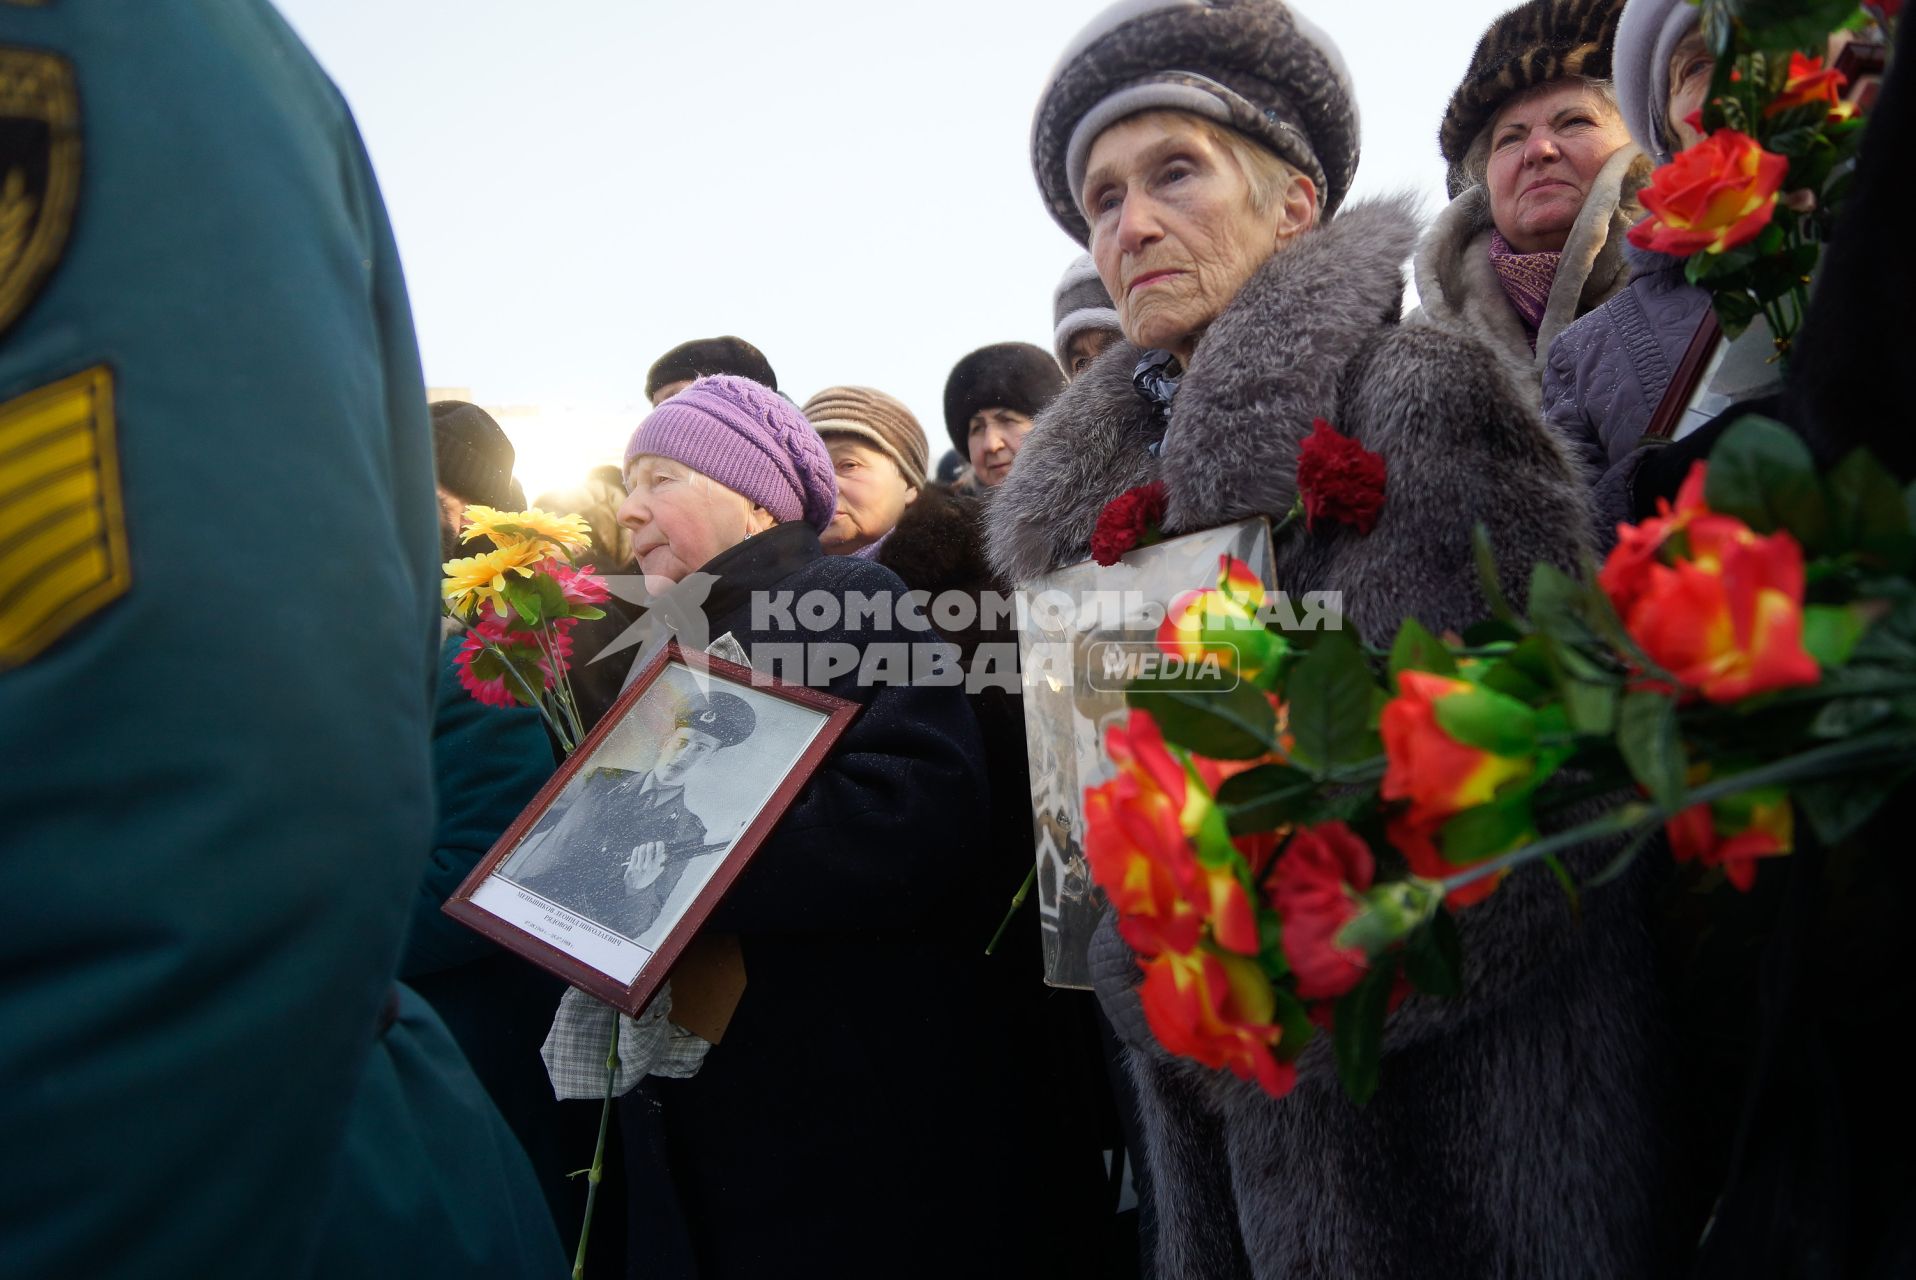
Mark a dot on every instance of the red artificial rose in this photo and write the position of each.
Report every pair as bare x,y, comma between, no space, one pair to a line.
1126,521
1216,1009
1710,198
1314,890
1809,81
1135,842
1439,775
1339,479
1734,833
1138,842
1709,601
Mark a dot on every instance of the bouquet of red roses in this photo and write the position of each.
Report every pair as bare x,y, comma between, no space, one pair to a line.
1751,205
1285,851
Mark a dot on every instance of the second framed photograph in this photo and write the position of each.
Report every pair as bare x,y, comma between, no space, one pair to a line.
612,868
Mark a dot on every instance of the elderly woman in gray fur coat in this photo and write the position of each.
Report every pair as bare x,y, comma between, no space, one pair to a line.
1543,179
1201,151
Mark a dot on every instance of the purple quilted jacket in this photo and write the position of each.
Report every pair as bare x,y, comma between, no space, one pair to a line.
1607,371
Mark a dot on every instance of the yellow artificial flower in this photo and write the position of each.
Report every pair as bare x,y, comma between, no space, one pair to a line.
566,534
481,579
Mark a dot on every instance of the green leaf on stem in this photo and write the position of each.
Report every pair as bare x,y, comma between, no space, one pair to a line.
1488,580
1434,957
1846,716
1592,708
1831,632
1418,650
1330,705
1201,714
1525,673
1837,807
1870,515
1295,1028
1735,310
1789,24
1651,746
1761,473
1359,1031
587,612
1489,721
1488,829
1266,797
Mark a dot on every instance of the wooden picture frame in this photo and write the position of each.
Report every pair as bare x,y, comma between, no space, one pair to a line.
606,877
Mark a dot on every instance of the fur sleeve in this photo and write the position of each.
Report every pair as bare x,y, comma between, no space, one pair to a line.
1089,446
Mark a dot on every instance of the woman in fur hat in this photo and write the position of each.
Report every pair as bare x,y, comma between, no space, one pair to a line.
1201,153
1607,372
1543,182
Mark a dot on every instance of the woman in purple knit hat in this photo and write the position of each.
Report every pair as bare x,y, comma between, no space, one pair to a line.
848,1117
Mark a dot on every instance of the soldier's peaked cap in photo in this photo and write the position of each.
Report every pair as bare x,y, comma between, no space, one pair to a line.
725,717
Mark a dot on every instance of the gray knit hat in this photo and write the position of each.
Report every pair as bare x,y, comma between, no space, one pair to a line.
1256,66
1647,34
1081,305
1531,45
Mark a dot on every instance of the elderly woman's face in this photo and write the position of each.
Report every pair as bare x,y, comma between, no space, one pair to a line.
1545,152
1173,232
1690,68
681,518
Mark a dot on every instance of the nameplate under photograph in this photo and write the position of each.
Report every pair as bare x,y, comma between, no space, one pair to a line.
609,873
1084,626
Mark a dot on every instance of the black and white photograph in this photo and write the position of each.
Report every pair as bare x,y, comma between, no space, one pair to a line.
609,867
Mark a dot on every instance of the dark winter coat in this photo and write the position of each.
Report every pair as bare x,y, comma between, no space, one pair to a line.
1511,1135
1052,1076
1607,373
839,1127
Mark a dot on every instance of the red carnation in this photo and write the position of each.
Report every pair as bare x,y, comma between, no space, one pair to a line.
1128,521
1339,479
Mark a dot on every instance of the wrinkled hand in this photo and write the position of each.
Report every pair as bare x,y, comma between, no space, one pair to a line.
645,866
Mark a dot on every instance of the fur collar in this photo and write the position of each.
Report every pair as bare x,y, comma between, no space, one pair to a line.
1268,365
1457,287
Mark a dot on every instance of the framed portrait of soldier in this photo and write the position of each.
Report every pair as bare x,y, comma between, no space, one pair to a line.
610,871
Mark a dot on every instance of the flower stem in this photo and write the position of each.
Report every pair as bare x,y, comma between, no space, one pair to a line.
1017,900
566,741
1820,762
597,1172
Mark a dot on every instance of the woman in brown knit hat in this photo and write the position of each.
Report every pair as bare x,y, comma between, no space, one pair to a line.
879,452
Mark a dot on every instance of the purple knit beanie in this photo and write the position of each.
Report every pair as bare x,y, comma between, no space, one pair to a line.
751,440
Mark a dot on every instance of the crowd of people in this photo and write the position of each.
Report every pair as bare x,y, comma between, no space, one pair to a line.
267,1050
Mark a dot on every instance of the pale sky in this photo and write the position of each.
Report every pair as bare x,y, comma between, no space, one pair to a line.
580,185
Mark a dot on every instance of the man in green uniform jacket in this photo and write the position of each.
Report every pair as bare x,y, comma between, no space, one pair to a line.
217,640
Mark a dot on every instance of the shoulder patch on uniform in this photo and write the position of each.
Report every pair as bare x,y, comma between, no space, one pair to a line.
39,172
63,554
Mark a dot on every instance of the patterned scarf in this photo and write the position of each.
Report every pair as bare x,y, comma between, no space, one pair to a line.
1526,278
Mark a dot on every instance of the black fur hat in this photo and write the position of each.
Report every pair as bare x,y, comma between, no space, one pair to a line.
702,357
1008,375
1532,44
1256,66
472,459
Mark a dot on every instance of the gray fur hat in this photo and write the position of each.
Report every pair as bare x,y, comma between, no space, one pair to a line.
1647,34
1530,45
1080,306
1256,66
